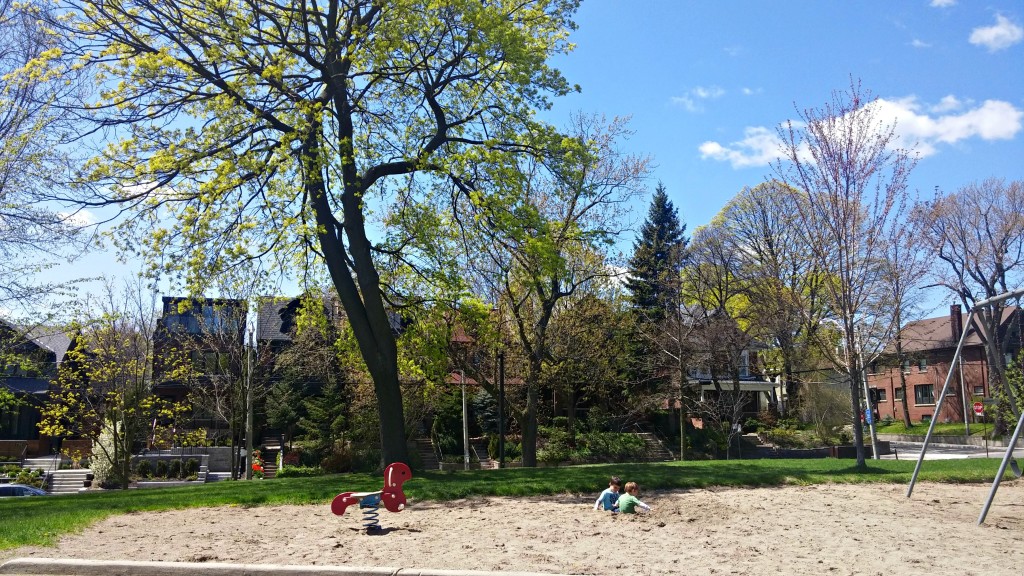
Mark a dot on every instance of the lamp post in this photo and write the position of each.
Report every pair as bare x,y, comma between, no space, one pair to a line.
465,423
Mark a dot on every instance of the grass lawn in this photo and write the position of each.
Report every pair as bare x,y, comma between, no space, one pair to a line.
920,429
40,520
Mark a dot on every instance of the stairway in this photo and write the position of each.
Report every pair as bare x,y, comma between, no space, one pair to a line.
654,450
45,463
480,447
269,456
67,481
425,449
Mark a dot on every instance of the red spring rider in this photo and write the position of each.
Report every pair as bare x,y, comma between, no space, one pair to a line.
391,496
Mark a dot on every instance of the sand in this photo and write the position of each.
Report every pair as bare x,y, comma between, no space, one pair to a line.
826,529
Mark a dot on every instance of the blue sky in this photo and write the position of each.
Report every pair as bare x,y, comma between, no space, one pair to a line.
707,82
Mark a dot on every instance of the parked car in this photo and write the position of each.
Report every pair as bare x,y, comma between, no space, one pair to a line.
7,490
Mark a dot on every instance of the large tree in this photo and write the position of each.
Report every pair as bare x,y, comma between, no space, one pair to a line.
843,159
33,163
104,387
654,268
545,233
977,233
782,283
254,128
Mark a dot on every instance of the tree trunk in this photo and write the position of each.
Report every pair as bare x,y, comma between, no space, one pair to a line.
858,428
530,428
363,303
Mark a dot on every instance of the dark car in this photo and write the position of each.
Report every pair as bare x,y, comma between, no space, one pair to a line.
19,490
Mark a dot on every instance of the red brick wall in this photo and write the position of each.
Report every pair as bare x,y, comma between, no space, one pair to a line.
975,373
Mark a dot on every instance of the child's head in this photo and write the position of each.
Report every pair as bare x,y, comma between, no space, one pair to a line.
615,483
632,488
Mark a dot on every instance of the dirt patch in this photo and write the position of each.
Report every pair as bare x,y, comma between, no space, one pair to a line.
827,529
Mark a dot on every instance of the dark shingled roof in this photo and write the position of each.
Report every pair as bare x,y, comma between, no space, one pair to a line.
936,333
275,319
26,385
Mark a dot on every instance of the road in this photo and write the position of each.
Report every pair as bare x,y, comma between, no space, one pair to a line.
911,450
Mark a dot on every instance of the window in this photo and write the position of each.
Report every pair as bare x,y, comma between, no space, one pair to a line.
924,394
906,366
873,368
880,395
922,365
897,394
979,390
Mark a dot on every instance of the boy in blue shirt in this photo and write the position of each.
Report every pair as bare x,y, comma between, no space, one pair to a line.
610,497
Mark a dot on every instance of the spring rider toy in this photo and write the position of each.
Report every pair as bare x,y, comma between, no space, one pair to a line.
391,496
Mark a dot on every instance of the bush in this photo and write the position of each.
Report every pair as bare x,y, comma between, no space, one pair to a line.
144,469
192,467
174,469
786,438
300,471
161,469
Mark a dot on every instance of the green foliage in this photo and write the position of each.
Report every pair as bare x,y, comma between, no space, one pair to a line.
446,430
325,422
174,469
657,259
161,469
144,468
300,472
191,467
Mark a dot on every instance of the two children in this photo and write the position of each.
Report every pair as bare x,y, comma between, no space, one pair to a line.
627,503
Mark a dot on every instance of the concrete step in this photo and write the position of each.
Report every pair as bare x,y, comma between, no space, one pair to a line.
425,449
67,481
44,463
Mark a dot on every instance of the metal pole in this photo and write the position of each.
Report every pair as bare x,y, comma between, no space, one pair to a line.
501,409
870,414
1002,468
963,398
248,413
465,424
938,404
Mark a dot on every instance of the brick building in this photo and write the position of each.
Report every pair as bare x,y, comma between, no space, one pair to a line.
928,347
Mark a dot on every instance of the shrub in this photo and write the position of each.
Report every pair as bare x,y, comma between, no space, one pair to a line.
144,469
174,469
161,469
192,467
785,438
300,472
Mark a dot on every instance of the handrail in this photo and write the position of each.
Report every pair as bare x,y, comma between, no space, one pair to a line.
656,433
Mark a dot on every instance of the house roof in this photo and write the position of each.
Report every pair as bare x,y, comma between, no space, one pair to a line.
50,338
936,333
275,319
26,385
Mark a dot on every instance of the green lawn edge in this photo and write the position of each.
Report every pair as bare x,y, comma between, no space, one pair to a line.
42,521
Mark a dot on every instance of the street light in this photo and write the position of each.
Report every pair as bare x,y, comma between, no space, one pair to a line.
465,423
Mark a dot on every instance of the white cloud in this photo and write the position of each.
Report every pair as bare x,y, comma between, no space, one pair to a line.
759,147
751,91
947,104
942,3
709,93
690,101
992,120
918,127
78,218
1000,36
917,43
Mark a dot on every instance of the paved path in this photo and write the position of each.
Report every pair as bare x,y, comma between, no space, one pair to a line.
911,450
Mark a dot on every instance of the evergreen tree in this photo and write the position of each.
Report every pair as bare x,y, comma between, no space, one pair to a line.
657,259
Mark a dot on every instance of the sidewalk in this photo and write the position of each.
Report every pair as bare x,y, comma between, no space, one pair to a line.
53,566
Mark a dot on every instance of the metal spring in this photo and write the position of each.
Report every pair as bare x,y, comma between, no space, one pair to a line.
370,517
